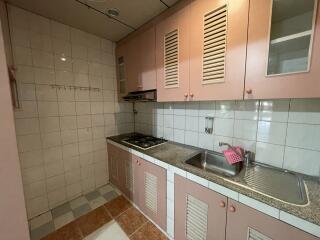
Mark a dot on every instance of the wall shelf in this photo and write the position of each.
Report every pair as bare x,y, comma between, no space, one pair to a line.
291,37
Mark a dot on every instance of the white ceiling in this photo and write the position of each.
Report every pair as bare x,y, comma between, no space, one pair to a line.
132,12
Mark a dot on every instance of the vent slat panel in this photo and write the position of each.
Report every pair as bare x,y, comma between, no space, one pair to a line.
255,235
214,46
171,62
129,175
151,189
197,219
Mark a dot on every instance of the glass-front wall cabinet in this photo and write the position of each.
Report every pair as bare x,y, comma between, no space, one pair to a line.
121,75
291,33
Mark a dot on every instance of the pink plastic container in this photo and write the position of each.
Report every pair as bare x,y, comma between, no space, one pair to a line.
232,157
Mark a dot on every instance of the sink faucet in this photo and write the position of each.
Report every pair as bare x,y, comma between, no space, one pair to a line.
204,160
247,157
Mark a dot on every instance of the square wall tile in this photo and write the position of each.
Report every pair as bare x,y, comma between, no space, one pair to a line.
29,142
303,136
179,122
274,110
27,126
168,133
192,123
206,141
30,159
59,30
44,76
272,132
247,110
245,129
191,138
192,109
270,154
225,109
168,121
178,135
305,111
224,127
179,109
302,160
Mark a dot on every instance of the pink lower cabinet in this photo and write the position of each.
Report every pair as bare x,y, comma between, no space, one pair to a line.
114,164
246,223
126,172
199,212
122,170
152,187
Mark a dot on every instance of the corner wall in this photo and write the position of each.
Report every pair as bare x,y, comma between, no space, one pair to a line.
13,218
61,131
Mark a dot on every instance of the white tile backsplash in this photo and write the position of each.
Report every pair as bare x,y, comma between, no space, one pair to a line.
270,154
283,133
304,136
272,132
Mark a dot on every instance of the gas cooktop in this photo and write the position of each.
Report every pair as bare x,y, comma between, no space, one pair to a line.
144,141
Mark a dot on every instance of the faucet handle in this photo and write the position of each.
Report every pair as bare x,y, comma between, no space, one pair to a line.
248,156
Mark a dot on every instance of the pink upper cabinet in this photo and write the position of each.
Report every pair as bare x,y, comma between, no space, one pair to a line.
172,56
218,38
148,59
283,50
133,64
136,63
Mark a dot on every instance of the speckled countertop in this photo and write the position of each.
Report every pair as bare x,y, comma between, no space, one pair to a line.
175,154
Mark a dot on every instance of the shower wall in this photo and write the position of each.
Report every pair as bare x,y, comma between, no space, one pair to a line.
68,102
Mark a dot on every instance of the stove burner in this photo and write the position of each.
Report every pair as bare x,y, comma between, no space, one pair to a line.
144,142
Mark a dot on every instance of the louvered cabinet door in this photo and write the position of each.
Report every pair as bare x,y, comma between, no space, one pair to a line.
126,173
114,164
199,213
245,223
153,199
218,38
172,56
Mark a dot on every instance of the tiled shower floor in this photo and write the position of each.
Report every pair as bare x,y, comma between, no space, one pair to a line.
99,215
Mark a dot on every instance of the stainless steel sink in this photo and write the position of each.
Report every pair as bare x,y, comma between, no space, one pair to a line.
278,183
274,182
214,162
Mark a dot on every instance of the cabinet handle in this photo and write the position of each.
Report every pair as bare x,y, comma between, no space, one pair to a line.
222,204
191,95
186,95
137,161
249,91
232,209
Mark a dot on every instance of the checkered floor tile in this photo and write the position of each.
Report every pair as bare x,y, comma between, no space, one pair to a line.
48,222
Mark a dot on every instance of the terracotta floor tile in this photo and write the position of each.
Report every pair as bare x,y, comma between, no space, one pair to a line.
70,231
131,220
117,206
148,232
93,220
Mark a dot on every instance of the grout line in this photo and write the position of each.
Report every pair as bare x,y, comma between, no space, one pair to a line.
138,228
285,139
